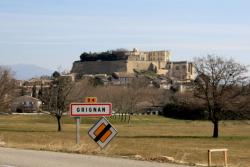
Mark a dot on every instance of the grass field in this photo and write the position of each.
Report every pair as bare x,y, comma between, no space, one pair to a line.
148,137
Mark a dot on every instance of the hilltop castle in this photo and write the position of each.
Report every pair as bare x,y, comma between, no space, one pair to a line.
157,61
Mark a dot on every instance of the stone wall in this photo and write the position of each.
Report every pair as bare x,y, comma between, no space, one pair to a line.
108,67
181,70
143,65
99,67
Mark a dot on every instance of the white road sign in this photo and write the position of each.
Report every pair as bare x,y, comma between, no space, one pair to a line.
87,109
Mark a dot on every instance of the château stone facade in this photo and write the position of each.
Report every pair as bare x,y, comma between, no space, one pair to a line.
153,60
158,61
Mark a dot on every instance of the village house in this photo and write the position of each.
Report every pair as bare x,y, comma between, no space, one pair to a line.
25,104
120,78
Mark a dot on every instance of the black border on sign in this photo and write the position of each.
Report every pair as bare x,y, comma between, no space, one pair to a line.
91,115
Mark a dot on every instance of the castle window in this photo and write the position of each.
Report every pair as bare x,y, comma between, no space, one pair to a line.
177,68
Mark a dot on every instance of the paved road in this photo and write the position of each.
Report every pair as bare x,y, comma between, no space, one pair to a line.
10,157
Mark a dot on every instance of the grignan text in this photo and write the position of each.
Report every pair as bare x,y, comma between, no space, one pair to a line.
91,109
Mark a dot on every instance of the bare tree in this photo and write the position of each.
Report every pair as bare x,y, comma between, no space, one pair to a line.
219,82
133,94
122,102
80,90
7,88
34,91
56,97
157,97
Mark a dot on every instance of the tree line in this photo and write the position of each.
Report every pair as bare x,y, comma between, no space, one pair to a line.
112,55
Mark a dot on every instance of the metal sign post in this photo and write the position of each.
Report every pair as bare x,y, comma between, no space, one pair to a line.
78,120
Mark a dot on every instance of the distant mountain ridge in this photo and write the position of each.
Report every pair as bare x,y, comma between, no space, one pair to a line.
28,71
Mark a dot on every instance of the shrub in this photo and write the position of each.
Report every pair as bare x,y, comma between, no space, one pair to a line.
183,111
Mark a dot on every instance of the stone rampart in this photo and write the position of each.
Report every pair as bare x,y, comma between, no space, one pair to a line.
99,67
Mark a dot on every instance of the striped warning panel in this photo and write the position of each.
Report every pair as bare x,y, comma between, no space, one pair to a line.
102,132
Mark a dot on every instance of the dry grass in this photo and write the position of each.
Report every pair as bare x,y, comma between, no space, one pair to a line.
151,137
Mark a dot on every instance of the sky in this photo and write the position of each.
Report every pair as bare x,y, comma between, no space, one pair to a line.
53,33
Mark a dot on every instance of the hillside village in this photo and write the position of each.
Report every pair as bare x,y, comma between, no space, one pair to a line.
136,83
128,66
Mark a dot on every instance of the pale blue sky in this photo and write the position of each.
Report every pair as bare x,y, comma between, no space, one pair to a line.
53,33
